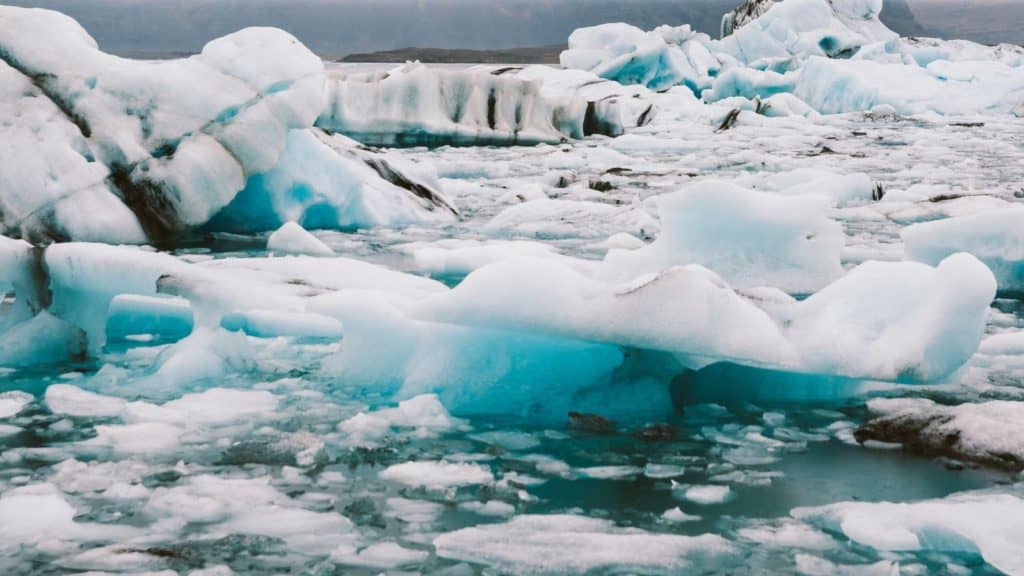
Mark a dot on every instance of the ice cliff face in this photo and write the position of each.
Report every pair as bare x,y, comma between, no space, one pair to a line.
834,55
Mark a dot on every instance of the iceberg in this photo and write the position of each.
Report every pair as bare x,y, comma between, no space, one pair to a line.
413,105
658,60
835,56
125,151
995,237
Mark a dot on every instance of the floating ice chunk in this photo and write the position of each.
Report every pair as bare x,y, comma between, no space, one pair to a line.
750,238
418,513
43,339
206,354
538,544
458,107
881,342
987,432
73,401
249,506
437,475
814,566
968,522
13,402
677,516
154,438
842,189
610,472
382,556
490,508
424,413
788,535
663,471
291,238
38,513
212,407
996,238
706,495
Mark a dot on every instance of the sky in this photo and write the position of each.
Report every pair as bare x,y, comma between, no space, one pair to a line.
334,28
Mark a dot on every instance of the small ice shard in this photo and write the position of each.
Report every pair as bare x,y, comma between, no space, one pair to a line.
663,471
423,414
677,516
610,472
437,475
490,508
706,495
292,238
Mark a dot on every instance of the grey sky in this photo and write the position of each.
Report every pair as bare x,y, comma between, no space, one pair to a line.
339,27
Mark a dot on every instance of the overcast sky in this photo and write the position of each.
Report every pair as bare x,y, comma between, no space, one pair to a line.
339,27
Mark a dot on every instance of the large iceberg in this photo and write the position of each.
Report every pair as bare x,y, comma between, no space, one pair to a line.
834,55
102,148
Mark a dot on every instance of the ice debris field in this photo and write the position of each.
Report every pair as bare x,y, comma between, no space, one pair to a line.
681,305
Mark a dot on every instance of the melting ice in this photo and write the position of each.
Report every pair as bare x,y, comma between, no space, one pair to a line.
682,304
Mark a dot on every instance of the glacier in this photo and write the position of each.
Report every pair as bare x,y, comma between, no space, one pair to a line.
680,303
